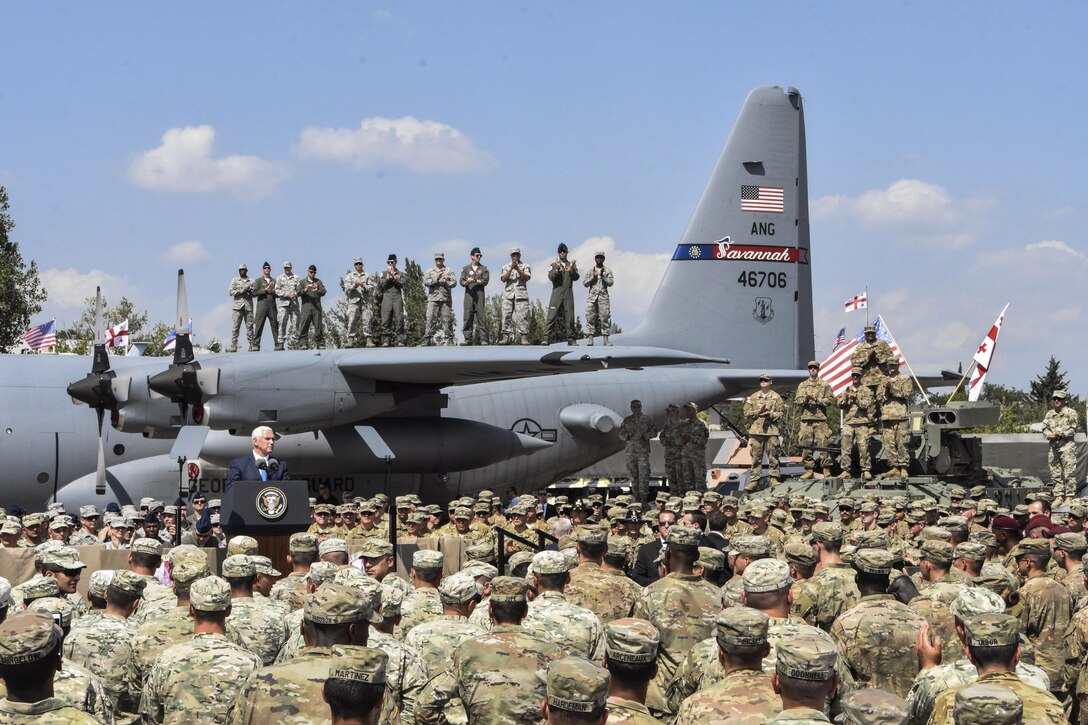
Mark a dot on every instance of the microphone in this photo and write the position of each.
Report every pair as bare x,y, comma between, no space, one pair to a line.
261,465
273,466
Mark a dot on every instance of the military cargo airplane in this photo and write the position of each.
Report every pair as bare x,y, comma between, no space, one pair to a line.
442,422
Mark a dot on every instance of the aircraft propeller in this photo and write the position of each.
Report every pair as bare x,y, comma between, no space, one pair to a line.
102,389
185,382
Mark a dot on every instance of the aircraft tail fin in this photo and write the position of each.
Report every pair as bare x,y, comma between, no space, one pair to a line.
739,284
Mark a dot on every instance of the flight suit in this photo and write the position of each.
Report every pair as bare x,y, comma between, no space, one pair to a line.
474,279
391,284
560,324
264,294
311,291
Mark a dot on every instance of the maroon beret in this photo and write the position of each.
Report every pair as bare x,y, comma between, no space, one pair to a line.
1037,521
1005,522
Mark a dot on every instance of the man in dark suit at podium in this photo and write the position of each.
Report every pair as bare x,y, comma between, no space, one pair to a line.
258,465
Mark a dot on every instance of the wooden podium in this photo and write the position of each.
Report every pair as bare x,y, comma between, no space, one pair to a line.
269,511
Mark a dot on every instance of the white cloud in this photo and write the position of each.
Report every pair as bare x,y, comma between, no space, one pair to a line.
71,288
216,323
187,253
911,211
426,147
184,163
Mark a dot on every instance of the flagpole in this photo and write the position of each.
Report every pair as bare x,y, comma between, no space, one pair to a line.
960,383
916,380
56,348
867,308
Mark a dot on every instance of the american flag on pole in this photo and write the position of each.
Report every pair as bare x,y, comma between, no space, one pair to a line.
117,336
858,302
172,339
763,199
837,367
984,356
44,335
840,340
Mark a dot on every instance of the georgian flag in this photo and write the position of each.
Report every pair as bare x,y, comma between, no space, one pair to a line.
117,336
984,356
858,302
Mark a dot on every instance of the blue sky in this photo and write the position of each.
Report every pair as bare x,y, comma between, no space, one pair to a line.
945,148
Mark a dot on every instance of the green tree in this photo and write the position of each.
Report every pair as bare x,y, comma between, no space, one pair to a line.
415,303
80,336
156,339
1043,386
21,292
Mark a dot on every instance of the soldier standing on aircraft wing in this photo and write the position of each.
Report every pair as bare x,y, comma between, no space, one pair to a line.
598,305
287,301
893,396
814,396
515,299
474,277
358,288
694,435
765,409
312,290
241,291
637,429
264,290
440,282
391,285
670,441
562,273
859,411
1059,426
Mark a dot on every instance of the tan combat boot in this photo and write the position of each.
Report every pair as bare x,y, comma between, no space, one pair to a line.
827,472
606,343
590,343
807,475
866,476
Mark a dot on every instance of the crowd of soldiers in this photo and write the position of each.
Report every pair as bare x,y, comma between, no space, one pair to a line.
701,608
292,305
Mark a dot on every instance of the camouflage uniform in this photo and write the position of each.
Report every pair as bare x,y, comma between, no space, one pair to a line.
674,451
1045,617
763,431
637,430
406,674
551,617
814,398
287,305
264,292
286,693
859,408
515,303
606,595
103,644
258,627
358,289
872,358
876,638
598,303
495,675
628,712
930,683
241,290
683,608
437,639
1062,453
291,590
53,710
421,605
744,697
392,308
440,284
157,599
1040,707
893,394
693,463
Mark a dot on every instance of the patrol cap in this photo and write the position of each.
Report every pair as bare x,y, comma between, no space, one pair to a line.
710,558
992,630
730,502
368,506
515,250
182,552
187,572
599,253
325,508
956,524
28,637
128,582
427,559
871,706
591,534
481,568
683,536
518,558
239,565
65,557
458,588
1059,394
357,260
508,589
971,551
358,664
766,575
11,527
374,548
800,554
975,601
334,603
287,264
322,572
243,266
939,552
147,546
874,561
34,519
807,657
766,376
996,578
751,545
417,518
984,537
741,626
669,407
241,545
870,328
59,608
99,581
1032,546
985,704
88,512
827,532
1073,542
392,600
550,562
371,588
631,640
575,684
329,546
302,543
263,565
481,552
210,594
877,539
39,588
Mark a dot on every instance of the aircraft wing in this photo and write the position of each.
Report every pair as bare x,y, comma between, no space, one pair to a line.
464,365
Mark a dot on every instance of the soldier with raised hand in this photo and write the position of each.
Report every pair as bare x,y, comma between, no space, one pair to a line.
562,273
358,289
495,674
515,300
288,304
764,408
859,412
552,617
598,304
893,395
264,309
638,430
439,282
474,278
1059,427
872,356
179,688
241,306
391,285
694,436
311,290
814,397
